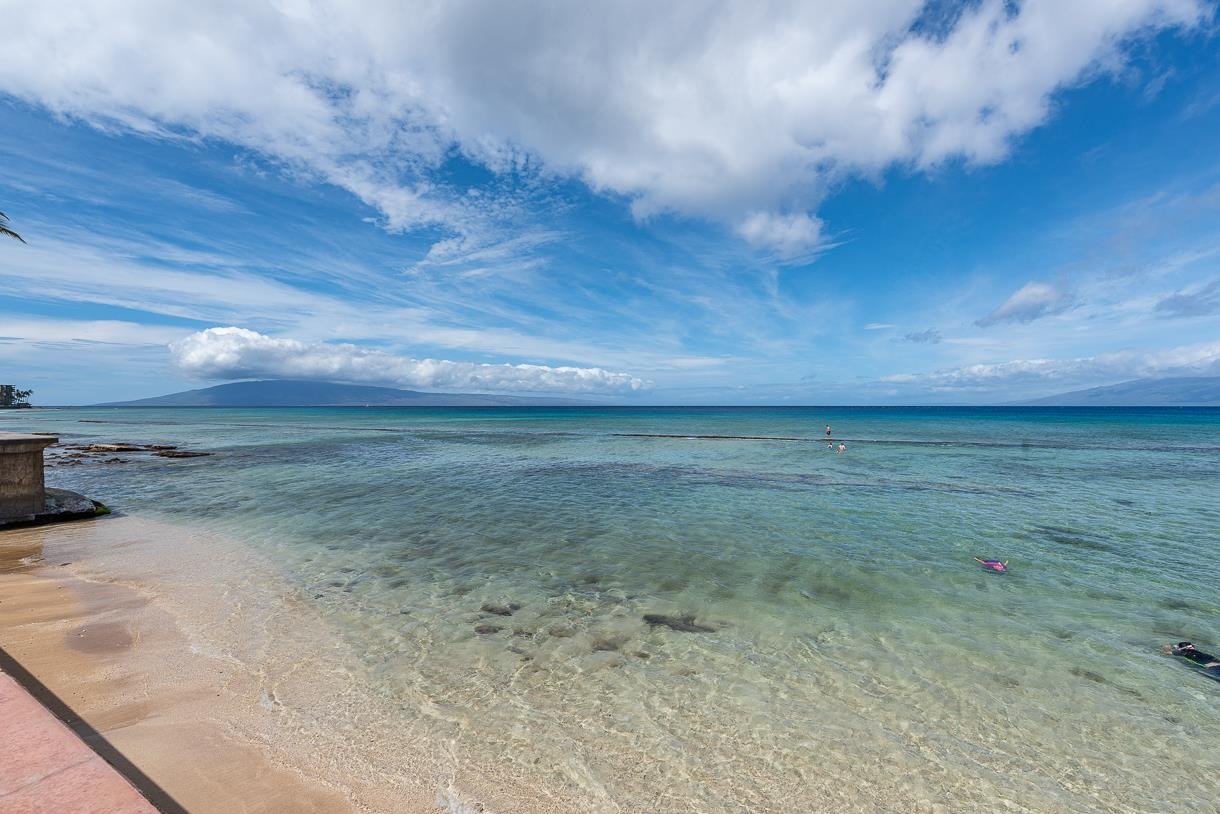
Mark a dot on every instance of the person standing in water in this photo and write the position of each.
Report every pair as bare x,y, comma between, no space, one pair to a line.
842,448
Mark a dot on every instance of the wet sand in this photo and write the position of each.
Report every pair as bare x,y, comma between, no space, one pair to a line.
103,650
196,723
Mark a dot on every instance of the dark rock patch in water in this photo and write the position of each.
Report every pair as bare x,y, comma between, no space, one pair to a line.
1089,675
1122,501
1173,603
486,629
498,610
682,624
1064,536
605,644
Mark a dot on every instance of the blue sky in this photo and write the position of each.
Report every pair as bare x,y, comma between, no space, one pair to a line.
763,203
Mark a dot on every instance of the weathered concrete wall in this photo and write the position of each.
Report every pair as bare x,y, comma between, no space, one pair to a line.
22,490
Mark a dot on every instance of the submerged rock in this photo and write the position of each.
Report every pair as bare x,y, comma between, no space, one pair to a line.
179,453
485,629
498,610
605,644
682,624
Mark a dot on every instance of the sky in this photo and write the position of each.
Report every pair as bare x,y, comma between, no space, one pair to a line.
880,202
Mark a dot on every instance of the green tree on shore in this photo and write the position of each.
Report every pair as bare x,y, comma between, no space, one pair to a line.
4,230
10,396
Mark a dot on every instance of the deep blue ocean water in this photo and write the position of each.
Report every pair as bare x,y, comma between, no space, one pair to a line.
842,633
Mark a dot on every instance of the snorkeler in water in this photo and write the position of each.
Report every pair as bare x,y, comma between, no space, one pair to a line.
994,565
1188,651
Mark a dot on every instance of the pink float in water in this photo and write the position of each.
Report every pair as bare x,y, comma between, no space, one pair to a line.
993,565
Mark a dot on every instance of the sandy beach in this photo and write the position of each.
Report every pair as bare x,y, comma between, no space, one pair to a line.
218,729
123,665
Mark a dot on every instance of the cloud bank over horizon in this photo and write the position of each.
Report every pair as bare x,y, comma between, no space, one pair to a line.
1104,368
742,114
239,353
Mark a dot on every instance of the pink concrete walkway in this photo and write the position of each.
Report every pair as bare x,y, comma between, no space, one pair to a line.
45,767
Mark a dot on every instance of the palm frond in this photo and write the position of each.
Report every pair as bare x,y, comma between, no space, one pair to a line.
4,230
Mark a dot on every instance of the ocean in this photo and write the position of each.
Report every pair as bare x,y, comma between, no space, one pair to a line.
708,610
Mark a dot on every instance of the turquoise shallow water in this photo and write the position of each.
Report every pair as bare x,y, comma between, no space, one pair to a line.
495,568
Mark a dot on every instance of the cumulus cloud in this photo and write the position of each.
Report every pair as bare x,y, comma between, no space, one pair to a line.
744,113
787,235
238,353
1105,368
1031,301
928,337
1199,303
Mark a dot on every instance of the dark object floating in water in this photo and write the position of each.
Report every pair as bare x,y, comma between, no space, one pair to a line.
1208,664
683,624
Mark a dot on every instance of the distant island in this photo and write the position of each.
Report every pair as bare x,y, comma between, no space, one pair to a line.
1195,391
298,393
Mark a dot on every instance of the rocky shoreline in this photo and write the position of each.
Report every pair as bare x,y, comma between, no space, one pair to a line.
61,455
60,505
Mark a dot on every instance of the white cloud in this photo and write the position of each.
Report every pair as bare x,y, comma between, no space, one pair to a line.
745,113
1106,368
238,353
1031,301
787,235
31,330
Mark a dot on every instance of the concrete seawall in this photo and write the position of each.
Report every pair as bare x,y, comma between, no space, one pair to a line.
23,492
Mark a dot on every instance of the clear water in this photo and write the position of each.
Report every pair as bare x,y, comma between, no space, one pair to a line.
850,654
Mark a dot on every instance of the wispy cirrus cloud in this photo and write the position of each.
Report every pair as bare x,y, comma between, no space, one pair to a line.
238,353
742,117
929,337
1198,302
1031,301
